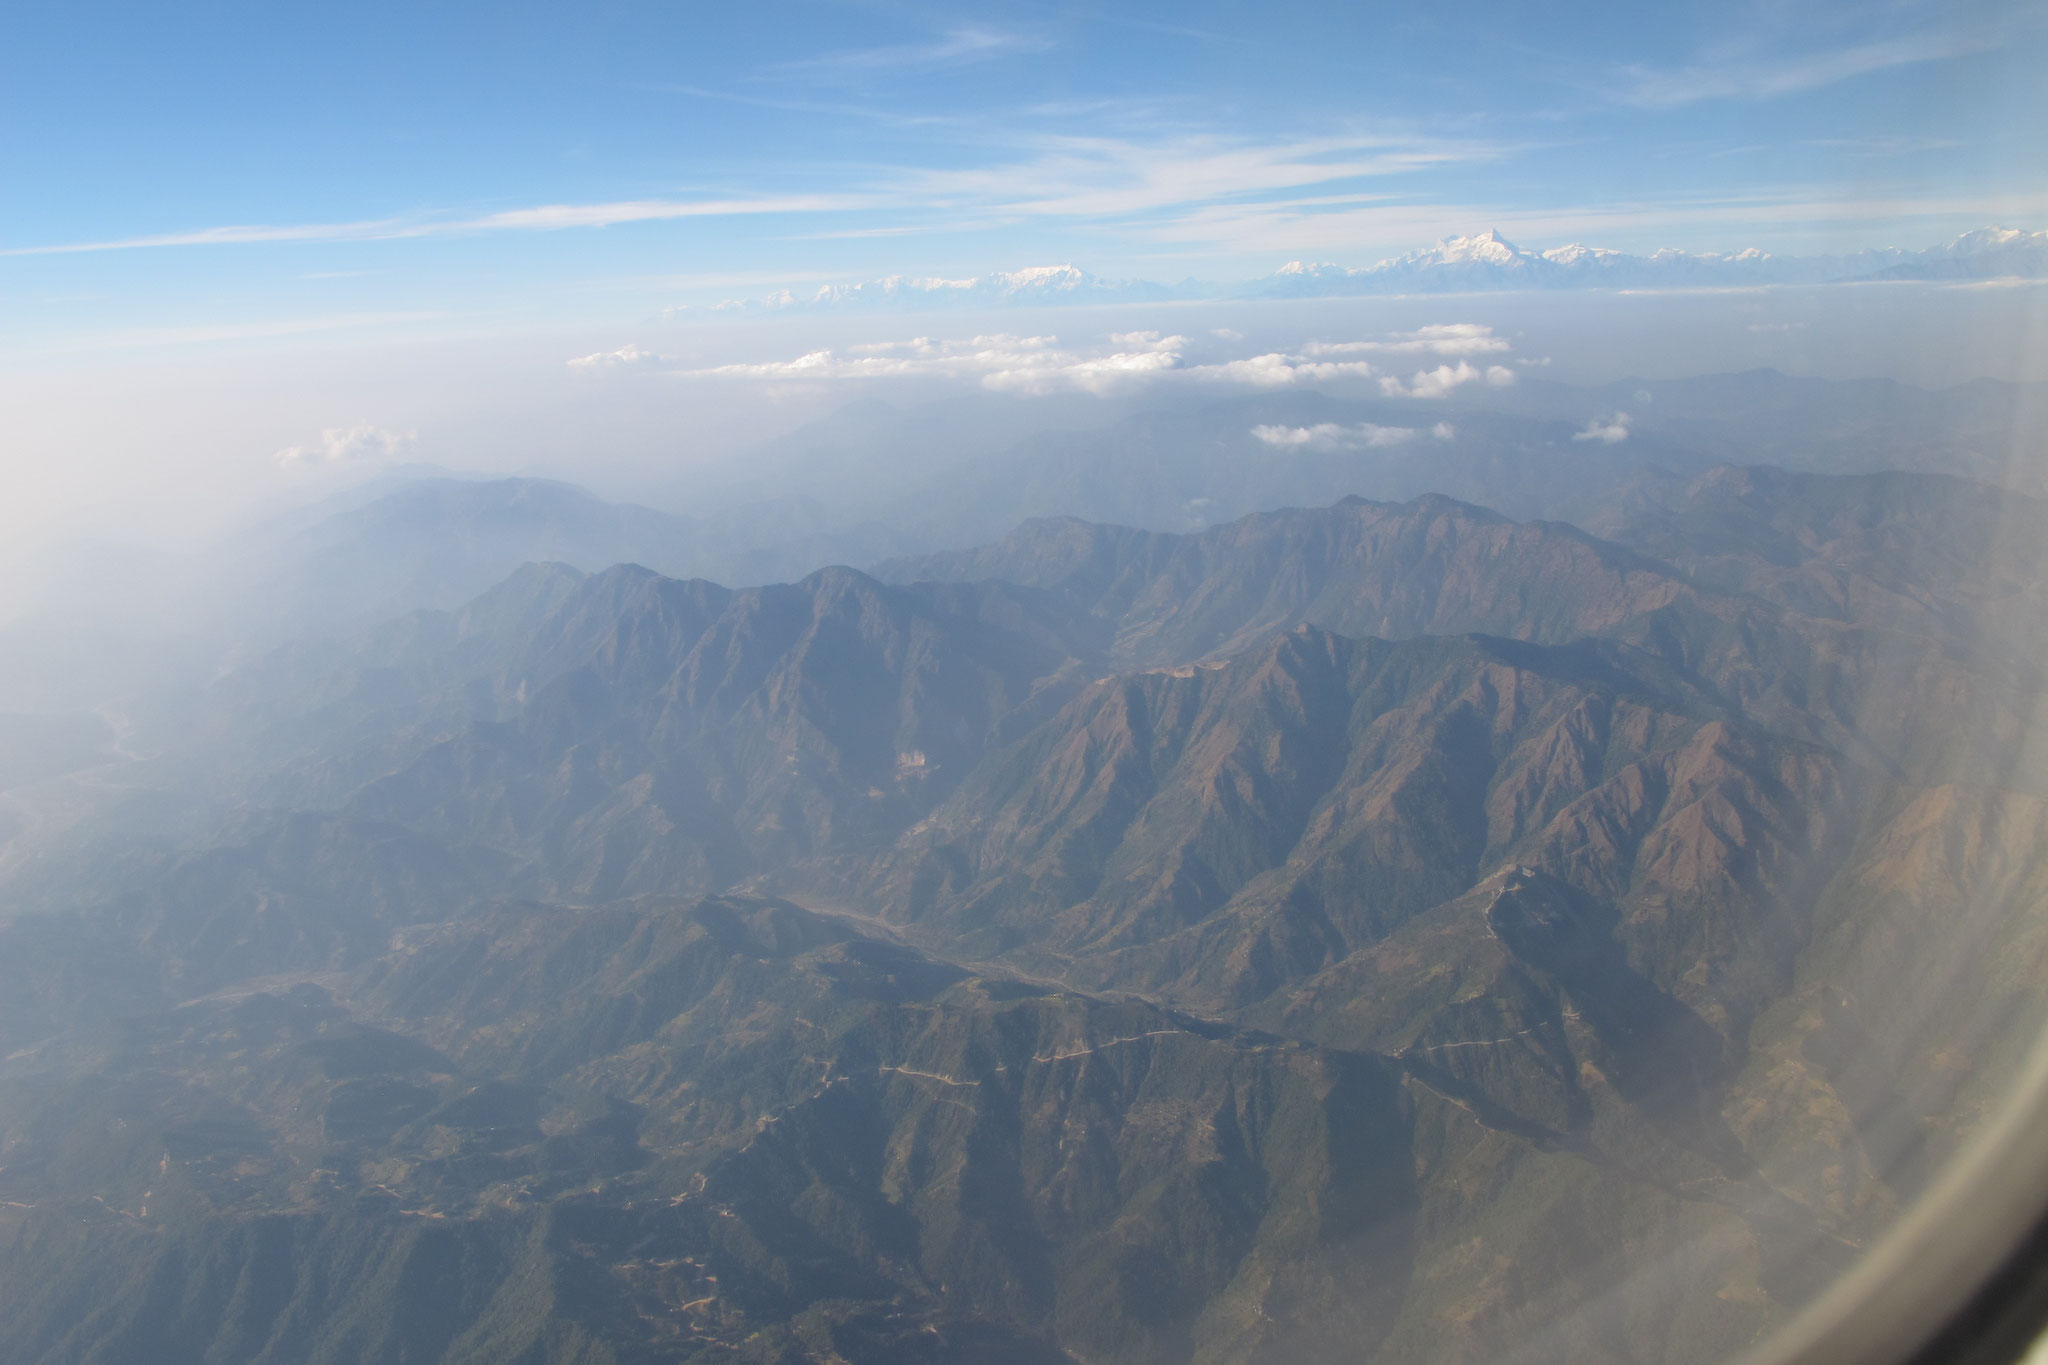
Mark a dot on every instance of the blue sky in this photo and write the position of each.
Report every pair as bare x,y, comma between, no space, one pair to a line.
213,172
375,232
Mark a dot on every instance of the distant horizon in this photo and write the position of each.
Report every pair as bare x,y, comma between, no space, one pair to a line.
195,174
240,246
1023,277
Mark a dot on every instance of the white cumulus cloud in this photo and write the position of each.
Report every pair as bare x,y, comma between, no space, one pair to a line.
1332,436
1441,380
1044,364
345,445
1609,431
1020,364
629,356
1095,374
1438,338
1275,370
1148,341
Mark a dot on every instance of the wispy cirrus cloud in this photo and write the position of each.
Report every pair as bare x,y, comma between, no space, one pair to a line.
791,104
1891,145
541,218
968,43
554,217
1753,78
199,334
1076,178
1350,193
234,235
1099,177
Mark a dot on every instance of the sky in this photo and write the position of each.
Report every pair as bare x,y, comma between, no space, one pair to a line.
188,192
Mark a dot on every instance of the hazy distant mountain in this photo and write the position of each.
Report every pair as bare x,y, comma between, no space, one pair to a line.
1822,426
1520,450
1986,254
103,626
438,542
1490,261
1486,261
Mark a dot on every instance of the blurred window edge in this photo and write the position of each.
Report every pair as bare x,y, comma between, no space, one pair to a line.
1963,1279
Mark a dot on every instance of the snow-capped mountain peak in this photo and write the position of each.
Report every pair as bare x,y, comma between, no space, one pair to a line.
1045,277
1577,253
1312,269
1996,239
1489,246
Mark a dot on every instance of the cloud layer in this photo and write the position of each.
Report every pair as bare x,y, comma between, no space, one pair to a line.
1022,364
349,445
1441,338
1331,436
1607,430
1441,380
1044,364
627,357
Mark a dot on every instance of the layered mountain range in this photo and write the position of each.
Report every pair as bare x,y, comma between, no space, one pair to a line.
1386,931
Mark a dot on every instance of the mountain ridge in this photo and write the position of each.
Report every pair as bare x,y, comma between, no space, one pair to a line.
1137,956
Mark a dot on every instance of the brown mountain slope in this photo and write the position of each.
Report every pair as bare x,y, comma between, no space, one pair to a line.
1429,567
1587,995
1219,831
1811,605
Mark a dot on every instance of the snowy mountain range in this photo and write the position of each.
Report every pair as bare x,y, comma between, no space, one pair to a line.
1487,261
1490,261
